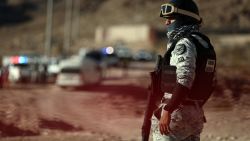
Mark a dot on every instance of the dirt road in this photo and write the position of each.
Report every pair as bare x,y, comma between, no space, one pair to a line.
112,111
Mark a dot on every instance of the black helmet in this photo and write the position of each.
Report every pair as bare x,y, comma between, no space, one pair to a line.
185,12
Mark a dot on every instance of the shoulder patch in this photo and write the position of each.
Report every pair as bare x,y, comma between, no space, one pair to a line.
181,49
181,59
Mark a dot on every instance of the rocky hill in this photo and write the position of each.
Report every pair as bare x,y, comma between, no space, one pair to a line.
28,33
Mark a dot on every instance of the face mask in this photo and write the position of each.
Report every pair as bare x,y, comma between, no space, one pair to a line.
180,21
176,24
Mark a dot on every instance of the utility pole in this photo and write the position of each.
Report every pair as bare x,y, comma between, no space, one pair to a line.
48,30
67,27
76,20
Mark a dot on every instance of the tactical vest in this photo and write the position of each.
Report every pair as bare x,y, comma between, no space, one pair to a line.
203,84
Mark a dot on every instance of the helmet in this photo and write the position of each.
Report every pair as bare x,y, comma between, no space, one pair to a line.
185,12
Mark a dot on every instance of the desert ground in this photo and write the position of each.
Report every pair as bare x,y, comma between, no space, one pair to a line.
111,111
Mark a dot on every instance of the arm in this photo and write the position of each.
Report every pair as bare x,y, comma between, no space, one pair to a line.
184,58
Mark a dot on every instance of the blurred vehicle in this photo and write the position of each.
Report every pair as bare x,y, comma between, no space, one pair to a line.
1,77
124,55
20,73
143,55
110,59
79,70
19,69
111,56
25,69
53,69
1,73
123,52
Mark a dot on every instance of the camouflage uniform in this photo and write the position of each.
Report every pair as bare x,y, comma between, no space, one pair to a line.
186,121
193,57
186,125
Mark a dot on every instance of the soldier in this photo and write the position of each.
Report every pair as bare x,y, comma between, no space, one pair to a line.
187,76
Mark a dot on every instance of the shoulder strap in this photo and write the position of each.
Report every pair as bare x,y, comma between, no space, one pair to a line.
167,55
195,41
202,36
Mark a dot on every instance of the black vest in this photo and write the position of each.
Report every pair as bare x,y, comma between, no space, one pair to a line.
203,84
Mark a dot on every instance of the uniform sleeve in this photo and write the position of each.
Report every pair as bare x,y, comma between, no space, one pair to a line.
184,57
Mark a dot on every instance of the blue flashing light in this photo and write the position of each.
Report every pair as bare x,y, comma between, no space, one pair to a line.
107,50
104,51
23,59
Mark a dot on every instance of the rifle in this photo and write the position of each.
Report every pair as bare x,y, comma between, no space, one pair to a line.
153,95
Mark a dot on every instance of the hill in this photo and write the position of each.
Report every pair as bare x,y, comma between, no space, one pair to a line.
228,16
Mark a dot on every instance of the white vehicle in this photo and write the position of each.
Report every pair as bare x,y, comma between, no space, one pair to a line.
78,71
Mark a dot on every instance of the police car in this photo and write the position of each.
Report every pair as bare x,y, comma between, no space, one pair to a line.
78,71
